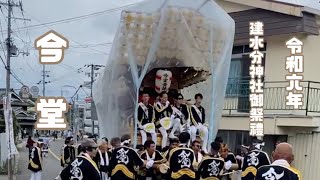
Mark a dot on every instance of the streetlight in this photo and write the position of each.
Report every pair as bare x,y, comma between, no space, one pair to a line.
67,86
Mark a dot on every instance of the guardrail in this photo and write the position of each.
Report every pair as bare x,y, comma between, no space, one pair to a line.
238,94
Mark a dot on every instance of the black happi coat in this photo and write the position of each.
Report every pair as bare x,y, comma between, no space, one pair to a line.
68,155
251,162
185,111
143,117
82,168
231,157
79,149
123,162
278,173
158,159
182,161
161,112
97,160
195,118
211,167
35,160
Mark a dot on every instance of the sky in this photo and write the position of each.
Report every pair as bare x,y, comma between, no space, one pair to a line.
90,41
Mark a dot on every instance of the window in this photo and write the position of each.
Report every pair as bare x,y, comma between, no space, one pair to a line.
235,74
239,70
235,139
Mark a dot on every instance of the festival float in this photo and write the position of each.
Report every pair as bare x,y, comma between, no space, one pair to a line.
165,45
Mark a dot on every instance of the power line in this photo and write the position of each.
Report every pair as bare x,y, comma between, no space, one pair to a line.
2,33
5,66
74,46
76,92
68,38
11,72
67,20
84,91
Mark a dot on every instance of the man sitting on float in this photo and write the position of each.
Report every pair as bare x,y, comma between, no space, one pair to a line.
198,120
181,112
164,120
146,117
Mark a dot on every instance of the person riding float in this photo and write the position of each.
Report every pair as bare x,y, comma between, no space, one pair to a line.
146,117
181,112
198,120
164,118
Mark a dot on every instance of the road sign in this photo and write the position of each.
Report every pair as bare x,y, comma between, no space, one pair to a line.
24,92
34,90
88,99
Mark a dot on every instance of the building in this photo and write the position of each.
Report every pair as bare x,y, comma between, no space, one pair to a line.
88,120
25,117
300,127
87,114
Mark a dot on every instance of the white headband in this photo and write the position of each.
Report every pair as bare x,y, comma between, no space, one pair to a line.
126,142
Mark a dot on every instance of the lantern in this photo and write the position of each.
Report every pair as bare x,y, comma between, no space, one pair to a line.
163,80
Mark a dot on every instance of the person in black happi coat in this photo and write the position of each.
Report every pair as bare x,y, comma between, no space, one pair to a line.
280,169
254,160
83,167
124,159
212,166
182,160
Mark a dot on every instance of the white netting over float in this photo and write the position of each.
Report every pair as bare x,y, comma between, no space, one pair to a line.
164,34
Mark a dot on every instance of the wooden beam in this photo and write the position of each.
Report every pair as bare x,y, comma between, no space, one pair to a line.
311,10
271,6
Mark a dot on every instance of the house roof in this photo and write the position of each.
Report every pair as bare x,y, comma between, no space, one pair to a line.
14,94
284,7
24,115
16,100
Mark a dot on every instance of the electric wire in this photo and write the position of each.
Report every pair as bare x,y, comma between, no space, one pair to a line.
76,18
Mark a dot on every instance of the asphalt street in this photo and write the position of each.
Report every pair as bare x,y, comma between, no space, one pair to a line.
51,166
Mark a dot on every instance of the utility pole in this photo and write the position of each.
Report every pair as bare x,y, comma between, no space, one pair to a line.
10,45
93,68
92,74
43,81
44,75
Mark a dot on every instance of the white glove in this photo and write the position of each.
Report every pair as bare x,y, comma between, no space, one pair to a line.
149,164
239,158
227,165
199,126
167,103
141,127
172,116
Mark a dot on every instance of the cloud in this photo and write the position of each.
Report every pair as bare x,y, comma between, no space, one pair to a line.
93,30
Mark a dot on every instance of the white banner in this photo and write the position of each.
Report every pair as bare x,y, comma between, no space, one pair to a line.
12,149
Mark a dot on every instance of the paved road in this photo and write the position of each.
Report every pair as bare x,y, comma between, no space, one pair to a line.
51,166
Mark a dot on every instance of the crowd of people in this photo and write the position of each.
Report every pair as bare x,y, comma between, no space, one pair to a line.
185,158
97,159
